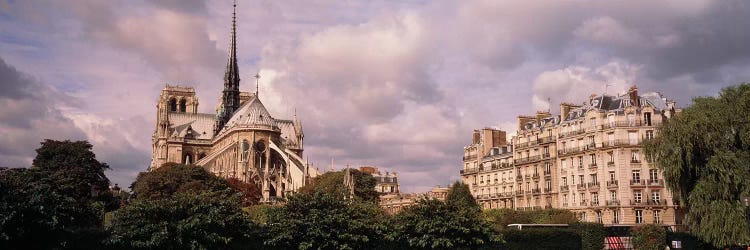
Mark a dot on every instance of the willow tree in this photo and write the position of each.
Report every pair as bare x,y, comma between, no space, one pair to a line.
704,152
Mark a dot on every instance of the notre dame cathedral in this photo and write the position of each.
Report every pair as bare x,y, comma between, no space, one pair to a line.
242,140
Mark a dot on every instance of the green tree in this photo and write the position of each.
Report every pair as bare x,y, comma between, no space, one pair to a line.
62,198
333,183
650,237
703,152
324,221
500,218
184,221
171,179
432,224
460,196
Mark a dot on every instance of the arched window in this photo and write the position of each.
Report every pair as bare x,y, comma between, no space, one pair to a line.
188,159
172,105
182,105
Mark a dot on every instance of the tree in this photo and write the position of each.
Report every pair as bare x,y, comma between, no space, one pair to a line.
72,165
250,192
460,196
500,218
62,197
703,152
432,224
184,221
333,183
171,179
324,221
650,237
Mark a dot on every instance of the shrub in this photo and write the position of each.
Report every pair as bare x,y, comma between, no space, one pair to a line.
592,235
542,238
649,237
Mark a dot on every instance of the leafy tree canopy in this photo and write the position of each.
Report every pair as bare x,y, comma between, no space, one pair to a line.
704,153
62,198
333,183
650,237
460,196
250,193
432,224
323,221
185,221
172,178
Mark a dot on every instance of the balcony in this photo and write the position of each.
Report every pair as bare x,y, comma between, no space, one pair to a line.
567,151
638,182
547,190
612,184
470,157
611,164
613,203
547,172
592,166
536,176
564,188
659,202
519,178
620,143
638,202
536,191
545,156
635,161
519,192
528,159
547,139
593,185
581,187
470,170
594,203
565,204
655,182
572,133
582,203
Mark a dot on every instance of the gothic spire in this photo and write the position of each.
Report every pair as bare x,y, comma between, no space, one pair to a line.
230,97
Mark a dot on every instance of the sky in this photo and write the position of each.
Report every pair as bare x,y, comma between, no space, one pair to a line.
396,84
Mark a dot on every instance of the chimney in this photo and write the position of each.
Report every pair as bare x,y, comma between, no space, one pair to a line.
541,115
634,98
565,110
475,138
522,120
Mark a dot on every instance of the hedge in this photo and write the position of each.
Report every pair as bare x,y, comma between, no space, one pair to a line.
592,235
542,238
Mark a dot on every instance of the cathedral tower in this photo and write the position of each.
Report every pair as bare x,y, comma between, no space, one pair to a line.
230,97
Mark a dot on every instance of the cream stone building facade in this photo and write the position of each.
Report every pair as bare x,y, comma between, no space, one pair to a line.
385,182
241,140
587,159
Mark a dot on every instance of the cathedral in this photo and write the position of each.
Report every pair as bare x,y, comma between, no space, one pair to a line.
241,140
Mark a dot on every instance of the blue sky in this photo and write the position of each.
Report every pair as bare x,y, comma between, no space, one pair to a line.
396,84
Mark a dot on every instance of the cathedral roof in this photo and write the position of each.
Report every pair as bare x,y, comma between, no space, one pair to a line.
200,126
252,114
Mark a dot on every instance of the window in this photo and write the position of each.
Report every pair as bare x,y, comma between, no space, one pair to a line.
657,216
173,105
580,161
574,197
611,175
638,216
481,179
647,118
595,199
564,181
636,175
548,184
182,105
637,196
655,197
611,138
599,216
635,156
631,120
565,200
653,174
547,168
580,178
649,134
633,137
613,195
615,216
583,216
593,159
611,120
611,157
593,178
564,165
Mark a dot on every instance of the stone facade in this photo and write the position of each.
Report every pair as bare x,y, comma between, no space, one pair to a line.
385,183
241,140
587,159
395,202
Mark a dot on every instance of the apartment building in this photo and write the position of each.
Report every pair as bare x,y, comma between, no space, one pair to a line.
385,183
587,159
488,169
